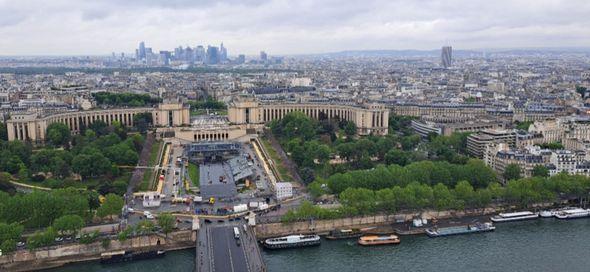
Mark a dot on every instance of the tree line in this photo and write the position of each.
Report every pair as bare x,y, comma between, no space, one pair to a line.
419,196
125,99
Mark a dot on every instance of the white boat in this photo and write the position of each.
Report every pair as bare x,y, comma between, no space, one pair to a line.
547,213
573,213
292,241
515,216
553,212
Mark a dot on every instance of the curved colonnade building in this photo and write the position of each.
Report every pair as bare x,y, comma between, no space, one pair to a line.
246,115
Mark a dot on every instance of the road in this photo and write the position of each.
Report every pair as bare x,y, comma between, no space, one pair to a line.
219,250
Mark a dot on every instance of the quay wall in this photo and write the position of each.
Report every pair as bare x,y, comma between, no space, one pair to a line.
324,226
55,256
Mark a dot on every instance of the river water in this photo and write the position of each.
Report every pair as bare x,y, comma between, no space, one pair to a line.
540,245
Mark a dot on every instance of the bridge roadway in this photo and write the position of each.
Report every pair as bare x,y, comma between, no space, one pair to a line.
218,249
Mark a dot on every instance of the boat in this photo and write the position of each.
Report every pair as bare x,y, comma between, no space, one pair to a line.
573,213
373,240
348,233
292,241
553,212
344,234
126,256
456,230
515,216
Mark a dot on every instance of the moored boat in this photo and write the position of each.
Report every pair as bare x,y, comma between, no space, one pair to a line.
373,240
553,212
292,241
573,213
126,256
447,231
515,216
344,234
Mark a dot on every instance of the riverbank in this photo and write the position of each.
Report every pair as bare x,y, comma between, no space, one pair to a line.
56,256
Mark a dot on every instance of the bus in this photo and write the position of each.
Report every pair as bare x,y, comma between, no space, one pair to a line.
236,233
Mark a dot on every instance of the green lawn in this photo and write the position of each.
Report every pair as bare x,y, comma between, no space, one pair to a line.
193,173
284,174
148,175
154,153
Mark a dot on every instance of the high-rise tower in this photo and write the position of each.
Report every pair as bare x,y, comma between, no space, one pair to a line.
446,56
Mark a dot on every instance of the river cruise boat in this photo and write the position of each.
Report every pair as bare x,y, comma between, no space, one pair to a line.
292,241
374,240
553,212
475,228
573,213
515,216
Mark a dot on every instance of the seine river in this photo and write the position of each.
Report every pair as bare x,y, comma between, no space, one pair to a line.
541,245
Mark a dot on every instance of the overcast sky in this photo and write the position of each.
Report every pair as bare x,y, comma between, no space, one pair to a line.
79,27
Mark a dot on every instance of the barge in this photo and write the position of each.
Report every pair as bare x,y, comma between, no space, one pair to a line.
127,256
447,231
515,216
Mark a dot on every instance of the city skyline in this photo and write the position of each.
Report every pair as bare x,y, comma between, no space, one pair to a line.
76,28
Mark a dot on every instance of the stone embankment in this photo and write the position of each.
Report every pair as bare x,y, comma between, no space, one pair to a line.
324,226
55,256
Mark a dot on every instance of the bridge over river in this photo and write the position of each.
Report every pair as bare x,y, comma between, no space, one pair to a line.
219,250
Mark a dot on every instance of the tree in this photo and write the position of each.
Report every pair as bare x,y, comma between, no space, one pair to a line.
142,121
145,227
443,197
396,156
512,171
58,134
3,132
68,224
464,193
111,206
41,239
540,171
307,174
350,129
166,222
9,235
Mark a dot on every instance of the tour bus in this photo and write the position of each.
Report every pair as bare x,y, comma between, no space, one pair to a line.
236,233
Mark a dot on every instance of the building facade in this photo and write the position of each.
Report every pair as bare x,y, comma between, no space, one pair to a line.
33,126
368,118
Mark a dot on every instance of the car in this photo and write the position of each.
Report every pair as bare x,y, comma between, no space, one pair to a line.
59,239
130,209
207,221
20,244
148,215
220,221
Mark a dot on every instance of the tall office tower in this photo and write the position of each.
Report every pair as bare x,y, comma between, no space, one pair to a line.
212,55
241,59
141,52
165,58
222,53
263,56
189,55
446,56
200,54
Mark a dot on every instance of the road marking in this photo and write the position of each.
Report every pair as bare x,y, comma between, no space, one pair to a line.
231,262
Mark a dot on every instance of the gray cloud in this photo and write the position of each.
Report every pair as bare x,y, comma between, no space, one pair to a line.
288,26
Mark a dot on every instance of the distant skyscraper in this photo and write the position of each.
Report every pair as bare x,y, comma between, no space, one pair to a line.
212,55
141,51
263,56
222,53
241,59
200,54
446,56
165,58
